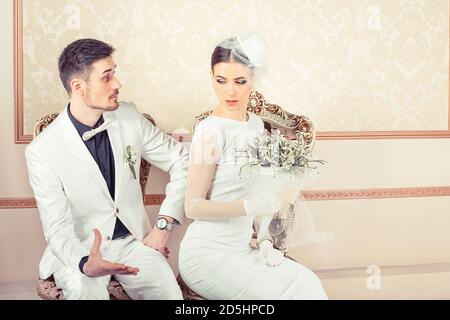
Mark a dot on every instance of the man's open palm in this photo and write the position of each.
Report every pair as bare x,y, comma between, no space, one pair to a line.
97,267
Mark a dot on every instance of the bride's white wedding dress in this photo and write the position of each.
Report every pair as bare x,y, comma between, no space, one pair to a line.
215,258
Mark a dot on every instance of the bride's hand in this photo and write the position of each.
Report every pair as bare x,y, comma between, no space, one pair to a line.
262,205
271,256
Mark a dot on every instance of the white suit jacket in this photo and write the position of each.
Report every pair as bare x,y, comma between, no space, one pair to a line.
72,196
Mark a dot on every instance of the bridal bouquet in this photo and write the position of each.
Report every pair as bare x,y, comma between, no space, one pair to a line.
277,165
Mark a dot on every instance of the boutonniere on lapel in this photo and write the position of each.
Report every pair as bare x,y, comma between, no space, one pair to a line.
130,159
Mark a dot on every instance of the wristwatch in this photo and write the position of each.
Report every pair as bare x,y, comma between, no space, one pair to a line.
163,224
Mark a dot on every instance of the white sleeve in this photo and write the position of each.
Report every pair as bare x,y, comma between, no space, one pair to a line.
206,149
54,211
167,154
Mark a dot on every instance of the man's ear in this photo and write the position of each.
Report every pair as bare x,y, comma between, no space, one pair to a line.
78,86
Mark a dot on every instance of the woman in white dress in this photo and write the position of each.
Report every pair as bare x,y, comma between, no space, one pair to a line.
216,259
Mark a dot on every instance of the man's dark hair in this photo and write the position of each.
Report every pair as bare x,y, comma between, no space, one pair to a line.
77,58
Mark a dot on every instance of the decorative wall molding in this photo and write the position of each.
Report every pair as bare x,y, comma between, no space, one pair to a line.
29,202
20,137
312,195
366,135
357,194
361,135
153,199
17,203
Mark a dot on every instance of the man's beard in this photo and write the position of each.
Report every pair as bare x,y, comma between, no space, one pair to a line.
88,102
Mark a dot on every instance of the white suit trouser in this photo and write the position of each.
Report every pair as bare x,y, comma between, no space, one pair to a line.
155,280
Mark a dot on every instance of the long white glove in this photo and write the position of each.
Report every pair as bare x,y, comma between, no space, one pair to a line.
271,256
262,205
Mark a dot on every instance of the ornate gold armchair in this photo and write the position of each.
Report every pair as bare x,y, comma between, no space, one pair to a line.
46,288
274,117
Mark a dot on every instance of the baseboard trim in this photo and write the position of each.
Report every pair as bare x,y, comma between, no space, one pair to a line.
386,270
29,287
17,287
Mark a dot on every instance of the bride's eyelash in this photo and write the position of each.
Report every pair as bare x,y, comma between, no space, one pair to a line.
240,82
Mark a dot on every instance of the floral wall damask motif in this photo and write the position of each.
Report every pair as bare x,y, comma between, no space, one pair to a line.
349,65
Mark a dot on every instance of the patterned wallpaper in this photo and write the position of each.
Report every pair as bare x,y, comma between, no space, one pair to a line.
350,65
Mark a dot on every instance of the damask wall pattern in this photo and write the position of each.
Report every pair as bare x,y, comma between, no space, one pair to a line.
349,65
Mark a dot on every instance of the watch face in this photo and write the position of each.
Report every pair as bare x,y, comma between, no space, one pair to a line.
161,223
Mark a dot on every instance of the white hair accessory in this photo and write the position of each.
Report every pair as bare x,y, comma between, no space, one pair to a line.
255,49
250,50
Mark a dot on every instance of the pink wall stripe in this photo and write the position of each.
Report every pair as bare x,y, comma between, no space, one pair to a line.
312,195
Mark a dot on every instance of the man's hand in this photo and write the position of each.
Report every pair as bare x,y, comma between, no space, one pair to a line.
97,267
157,239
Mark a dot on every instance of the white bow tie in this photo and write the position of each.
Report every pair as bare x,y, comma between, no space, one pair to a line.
89,134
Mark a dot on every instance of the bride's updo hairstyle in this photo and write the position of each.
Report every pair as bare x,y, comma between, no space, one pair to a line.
248,50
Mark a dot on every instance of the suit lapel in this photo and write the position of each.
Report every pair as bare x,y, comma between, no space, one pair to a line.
81,154
115,138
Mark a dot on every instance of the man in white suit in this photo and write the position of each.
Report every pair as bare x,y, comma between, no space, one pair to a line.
84,171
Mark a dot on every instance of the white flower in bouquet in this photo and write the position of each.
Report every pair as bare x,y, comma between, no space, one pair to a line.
280,162
277,165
